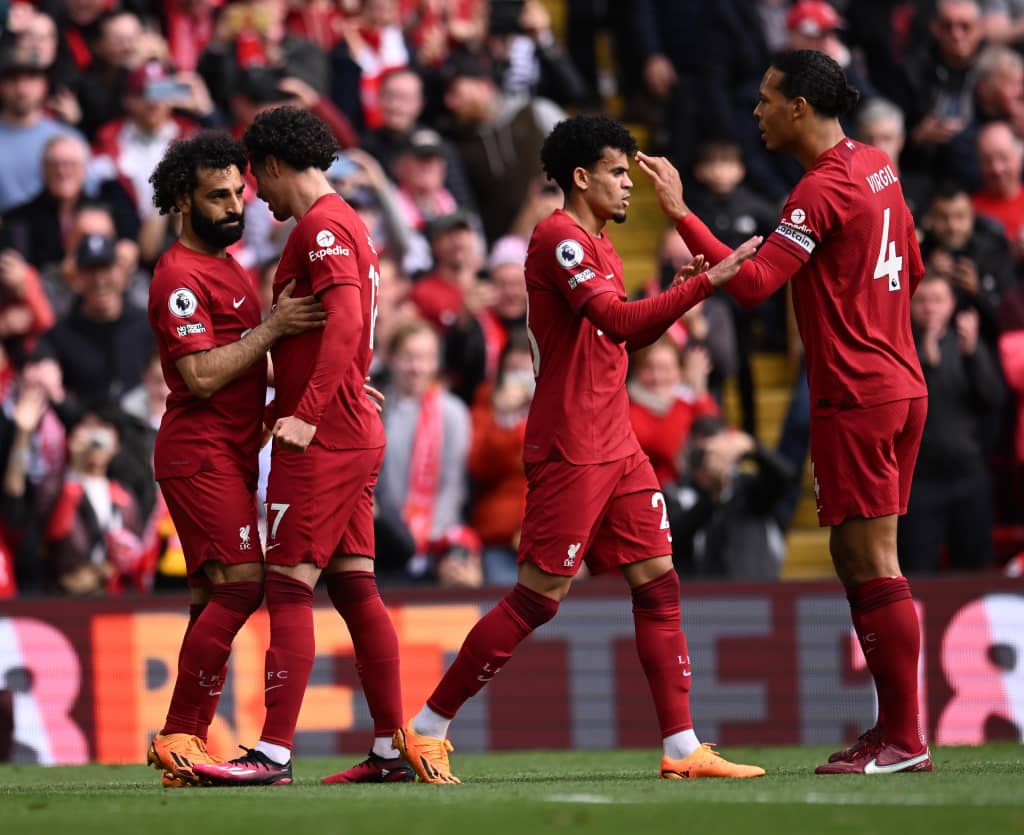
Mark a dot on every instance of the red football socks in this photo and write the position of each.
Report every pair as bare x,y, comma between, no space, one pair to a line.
355,596
489,645
661,645
204,654
886,622
290,656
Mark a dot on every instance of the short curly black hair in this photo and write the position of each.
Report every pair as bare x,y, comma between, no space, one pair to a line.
818,78
294,136
579,142
177,174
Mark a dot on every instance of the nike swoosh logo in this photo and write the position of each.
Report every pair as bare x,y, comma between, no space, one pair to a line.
610,276
873,767
237,302
687,673
272,687
272,547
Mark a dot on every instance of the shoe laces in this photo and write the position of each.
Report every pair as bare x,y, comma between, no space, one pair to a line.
709,749
254,757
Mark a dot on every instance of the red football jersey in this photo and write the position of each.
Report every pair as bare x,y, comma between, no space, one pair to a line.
330,246
580,410
847,221
199,302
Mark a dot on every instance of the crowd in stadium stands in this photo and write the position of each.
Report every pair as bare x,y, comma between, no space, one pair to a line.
440,108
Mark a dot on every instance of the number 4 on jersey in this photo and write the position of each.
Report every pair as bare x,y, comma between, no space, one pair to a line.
889,263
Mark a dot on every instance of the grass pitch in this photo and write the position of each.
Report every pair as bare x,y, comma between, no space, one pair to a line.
973,790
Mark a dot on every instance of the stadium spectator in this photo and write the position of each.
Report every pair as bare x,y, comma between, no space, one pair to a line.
1001,196
24,126
103,343
41,229
869,400
93,533
372,44
668,390
252,34
498,138
130,148
496,459
739,40
951,497
734,213
33,452
588,479
190,28
115,53
721,510
880,123
441,295
423,487
971,252
418,170
938,81
25,312
529,59
1003,21
401,112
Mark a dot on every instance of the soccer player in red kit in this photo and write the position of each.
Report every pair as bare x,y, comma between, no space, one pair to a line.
592,494
847,241
205,311
328,449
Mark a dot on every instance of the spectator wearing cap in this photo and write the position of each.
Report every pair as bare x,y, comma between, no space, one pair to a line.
418,170
103,343
815,24
40,229
506,267
24,125
401,110
130,147
498,137
439,296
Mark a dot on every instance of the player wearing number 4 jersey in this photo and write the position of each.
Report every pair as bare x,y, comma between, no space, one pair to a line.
328,447
847,241
593,496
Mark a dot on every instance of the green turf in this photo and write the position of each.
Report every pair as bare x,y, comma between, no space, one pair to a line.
973,790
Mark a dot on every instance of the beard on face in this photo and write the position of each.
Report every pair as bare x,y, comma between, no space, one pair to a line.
217,233
619,217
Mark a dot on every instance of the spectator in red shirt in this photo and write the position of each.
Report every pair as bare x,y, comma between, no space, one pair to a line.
1001,197
668,390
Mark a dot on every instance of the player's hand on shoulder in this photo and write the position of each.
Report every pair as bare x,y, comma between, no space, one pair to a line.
668,186
725,269
291,315
293,433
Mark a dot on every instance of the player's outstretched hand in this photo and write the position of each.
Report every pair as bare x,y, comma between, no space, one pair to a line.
667,185
725,269
688,271
293,433
291,315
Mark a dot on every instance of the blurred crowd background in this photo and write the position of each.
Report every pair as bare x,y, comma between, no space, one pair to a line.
440,108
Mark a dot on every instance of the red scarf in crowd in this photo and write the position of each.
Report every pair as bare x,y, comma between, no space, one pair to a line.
424,470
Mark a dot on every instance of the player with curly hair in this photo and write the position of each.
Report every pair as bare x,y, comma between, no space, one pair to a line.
328,450
205,311
844,227
592,494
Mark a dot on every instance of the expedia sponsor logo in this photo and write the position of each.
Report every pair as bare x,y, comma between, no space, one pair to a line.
319,254
191,328
579,278
797,236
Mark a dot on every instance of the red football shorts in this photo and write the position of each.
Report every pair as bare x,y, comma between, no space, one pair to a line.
609,514
216,518
863,459
320,504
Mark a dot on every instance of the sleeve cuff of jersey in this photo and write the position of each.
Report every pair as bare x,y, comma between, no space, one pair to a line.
306,417
176,352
